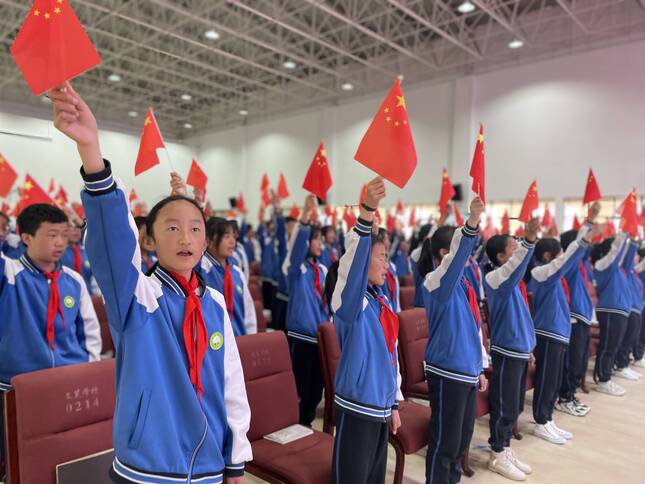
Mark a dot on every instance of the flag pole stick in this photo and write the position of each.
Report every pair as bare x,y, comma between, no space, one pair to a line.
172,167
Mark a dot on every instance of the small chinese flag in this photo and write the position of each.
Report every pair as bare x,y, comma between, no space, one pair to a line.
138,210
295,212
576,223
196,177
208,210
458,218
240,203
530,203
546,219
629,215
478,166
78,208
61,197
133,196
52,187
266,198
447,191
400,208
8,177
328,211
387,147
318,179
5,207
390,222
261,214
506,223
151,140
349,218
283,191
264,184
592,192
31,194
413,217
52,46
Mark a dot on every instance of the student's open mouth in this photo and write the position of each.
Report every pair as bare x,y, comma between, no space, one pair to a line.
185,253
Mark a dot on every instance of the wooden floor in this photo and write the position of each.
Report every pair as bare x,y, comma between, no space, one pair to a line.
606,447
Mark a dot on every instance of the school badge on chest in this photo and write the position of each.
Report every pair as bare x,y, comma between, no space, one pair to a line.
239,289
69,302
216,341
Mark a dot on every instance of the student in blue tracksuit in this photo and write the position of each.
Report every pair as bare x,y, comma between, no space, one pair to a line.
306,310
75,256
269,262
392,287
512,339
420,255
367,387
401,257
551,297
218,271
581,314
639,346
632,332
284,229
453,360
330,252
181,410
613,308
239,253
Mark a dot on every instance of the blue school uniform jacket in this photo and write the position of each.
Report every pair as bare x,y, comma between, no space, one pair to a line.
634,283
511,326
282,291
24,295
268,264
393,296
402,262
640,270
328,256
306,308
418,281
68,261
613,290
13,247
454,348
162,431
367,379
244,318
552,319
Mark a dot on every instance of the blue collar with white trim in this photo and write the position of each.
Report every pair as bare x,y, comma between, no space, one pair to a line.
168,280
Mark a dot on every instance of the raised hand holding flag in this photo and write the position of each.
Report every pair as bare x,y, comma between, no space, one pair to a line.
447,191
530,203
151,140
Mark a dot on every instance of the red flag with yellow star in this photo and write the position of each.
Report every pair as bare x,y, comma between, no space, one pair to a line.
151,140
530,203
8,177
61,197
196,177
240,204
459,219
592,191
31,194
52,46
387,147
283,191
478,166
318,178
447,191
629,215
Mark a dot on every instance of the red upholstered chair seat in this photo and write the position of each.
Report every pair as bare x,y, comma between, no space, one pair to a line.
413,337
106,336
406,281
413,434
406,297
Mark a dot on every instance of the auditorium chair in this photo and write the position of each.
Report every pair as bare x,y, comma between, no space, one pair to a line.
57,415
411,437
271,392
406,297
259,314
107,350
406,281
256,292
413,337
254,269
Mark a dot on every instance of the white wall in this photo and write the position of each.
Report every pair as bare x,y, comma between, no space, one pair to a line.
34,146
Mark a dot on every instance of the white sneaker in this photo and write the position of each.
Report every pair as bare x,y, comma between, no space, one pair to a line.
569,407
633,373
582,408
500,463
510,455
626,374
610,388
559,431
545,432
639,363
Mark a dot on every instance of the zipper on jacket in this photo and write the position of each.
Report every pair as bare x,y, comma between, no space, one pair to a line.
197,449
53,358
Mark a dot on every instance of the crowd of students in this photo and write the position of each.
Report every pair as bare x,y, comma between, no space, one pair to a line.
176,292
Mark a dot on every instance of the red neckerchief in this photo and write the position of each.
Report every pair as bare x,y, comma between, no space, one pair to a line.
317,285
78,260
390,325
565,286
525,296
194,329
472,302
391,283
229,289
53,305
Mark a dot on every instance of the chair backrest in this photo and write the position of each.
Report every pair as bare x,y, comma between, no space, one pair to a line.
106,336
256,291
57,415
329,355
406,297
413,337
259,314
254,268
407,280
270,384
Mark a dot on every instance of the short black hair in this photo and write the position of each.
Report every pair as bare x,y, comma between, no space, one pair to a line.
315,232
216,228
495,246
289,219
425,264
33,216
641,252
154,213
547,245
567,237
327,228
140,221
601,250
441,239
